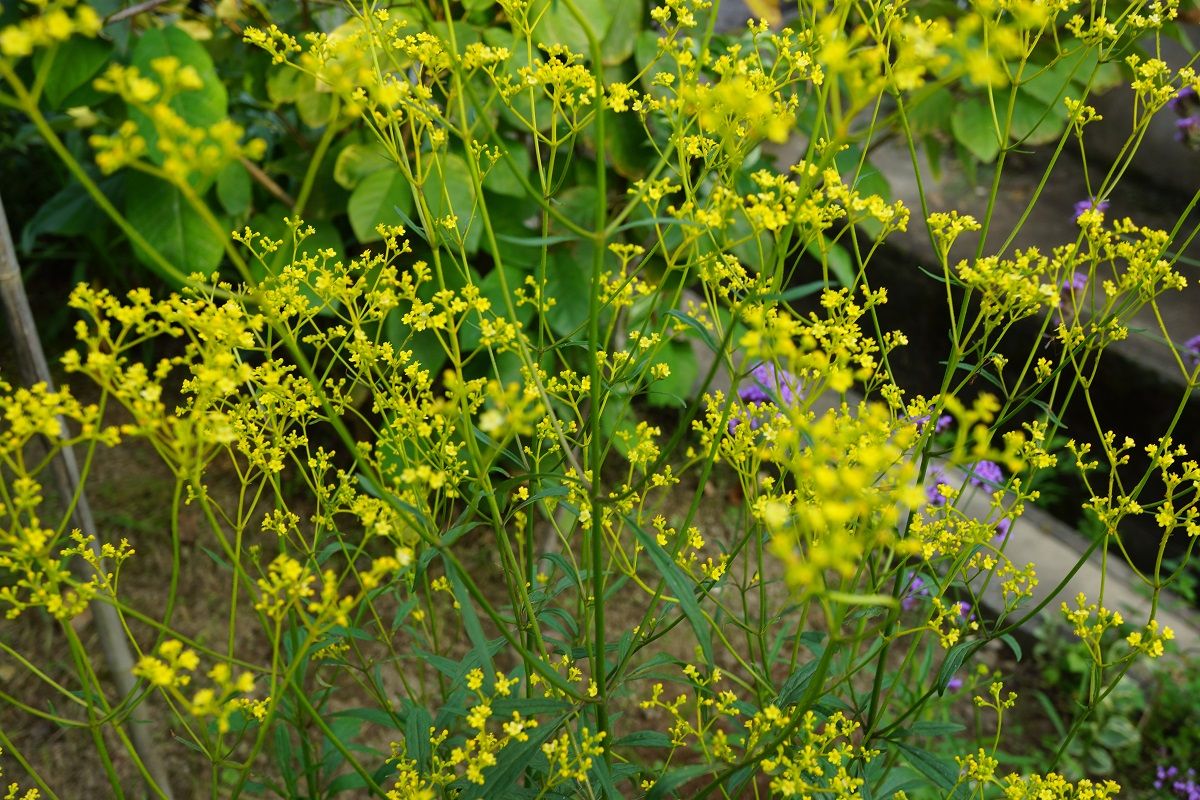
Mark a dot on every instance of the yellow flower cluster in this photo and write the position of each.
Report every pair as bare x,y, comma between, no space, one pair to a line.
183,150
54,23
171,668
13,790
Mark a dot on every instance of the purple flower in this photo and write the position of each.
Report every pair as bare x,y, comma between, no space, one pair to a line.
1187,128
1191,352
1089,205
954,684
1168,777
936,478
943,423
767,383
914,593
1164,774
1001,535
985,475
1067,289
1180,101
765,386
1074,283
964,610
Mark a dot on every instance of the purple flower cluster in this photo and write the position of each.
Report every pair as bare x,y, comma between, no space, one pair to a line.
1076,283
943,423
982,474
1191,352
914,593
1001,536
1169,778
1078,280
766,386
985,475
1186,105
1088,205
936,478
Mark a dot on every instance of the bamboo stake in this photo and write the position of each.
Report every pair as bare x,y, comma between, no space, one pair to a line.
34,369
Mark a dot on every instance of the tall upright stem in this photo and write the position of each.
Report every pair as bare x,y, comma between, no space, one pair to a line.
34,369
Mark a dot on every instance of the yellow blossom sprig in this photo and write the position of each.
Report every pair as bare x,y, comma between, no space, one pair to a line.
54,23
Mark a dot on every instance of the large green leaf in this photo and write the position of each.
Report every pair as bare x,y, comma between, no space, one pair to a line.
201,107
558,24
975,128
675,390
502,179
71,211
75,62
623,29
449,191
375,200
233,188
568,281
357,160
161,214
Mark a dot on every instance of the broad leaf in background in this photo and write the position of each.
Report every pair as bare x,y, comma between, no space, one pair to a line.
163,216
974,126
375,200
200,107
75,64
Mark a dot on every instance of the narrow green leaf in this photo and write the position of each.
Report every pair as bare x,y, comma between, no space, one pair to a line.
501,780
954,659
942,771
470,619
680,585
644,739
1013,645
673,779
935,729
